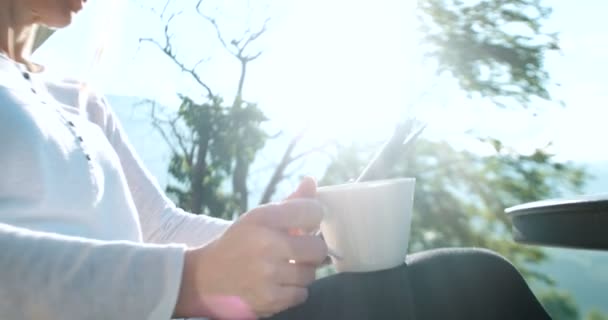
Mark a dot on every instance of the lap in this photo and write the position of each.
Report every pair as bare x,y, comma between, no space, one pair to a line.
470,284
374,295
439,284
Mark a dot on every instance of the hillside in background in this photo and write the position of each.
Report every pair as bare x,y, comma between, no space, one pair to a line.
583,273
599,182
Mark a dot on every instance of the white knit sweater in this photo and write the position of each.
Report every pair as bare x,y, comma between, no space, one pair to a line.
85,231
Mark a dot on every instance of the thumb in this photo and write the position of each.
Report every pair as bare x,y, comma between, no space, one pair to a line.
306,189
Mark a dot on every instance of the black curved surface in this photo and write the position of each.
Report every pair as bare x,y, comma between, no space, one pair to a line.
579,222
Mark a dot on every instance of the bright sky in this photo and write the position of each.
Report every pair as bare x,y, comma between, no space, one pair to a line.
348,68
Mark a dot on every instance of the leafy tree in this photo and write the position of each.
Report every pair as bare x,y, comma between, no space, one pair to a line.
460,196
560,305
213,142
222,138
494,48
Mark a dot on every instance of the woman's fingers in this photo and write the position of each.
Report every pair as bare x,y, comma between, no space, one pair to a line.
292,295
303,214
306,189
297,275
306,249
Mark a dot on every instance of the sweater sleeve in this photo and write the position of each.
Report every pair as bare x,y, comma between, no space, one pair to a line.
49,276
161,220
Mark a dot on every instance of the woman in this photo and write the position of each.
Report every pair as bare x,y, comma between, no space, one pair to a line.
86,233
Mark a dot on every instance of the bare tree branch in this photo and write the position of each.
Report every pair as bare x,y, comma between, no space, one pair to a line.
253,37
196,150
199,63
241,166
255,56
275,135
192,72
167,49
239,45
214,24
288,159
301,165
308,152
279,172
165,8
238,97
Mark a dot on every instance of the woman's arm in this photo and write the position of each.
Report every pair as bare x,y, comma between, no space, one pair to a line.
161,220
49,276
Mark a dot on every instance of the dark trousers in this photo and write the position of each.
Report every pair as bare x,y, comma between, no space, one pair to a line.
466,284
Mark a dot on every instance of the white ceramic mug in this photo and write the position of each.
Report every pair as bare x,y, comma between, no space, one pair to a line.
367,224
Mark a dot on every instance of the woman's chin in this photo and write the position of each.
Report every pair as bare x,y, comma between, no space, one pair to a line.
59,23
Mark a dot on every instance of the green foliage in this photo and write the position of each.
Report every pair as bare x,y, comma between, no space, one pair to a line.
495,48
492,47
213,135
560,305
596,315
460,197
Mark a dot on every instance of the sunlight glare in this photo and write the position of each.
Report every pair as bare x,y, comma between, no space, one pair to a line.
343,70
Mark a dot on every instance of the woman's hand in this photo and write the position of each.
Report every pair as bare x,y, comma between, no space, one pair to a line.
259,266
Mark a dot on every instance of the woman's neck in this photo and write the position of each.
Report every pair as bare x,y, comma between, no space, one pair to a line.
16,29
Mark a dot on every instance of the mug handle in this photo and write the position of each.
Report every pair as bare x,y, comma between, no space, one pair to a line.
330,252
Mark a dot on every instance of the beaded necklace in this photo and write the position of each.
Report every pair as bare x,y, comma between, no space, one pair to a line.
68,123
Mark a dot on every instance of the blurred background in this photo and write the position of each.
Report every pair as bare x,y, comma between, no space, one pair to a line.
229,103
